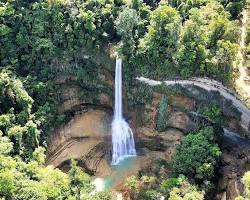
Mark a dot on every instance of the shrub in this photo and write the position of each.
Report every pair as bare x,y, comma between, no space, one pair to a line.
139,94
212,112
6,183
186,192
168,184
132,183
196,156
148,195
162,114
104,195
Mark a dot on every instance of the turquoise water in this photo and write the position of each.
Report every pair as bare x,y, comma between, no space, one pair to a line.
119,172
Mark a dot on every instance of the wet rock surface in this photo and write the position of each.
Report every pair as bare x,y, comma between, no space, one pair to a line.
210,91
233,164
87,137
181,120
182,102
84,138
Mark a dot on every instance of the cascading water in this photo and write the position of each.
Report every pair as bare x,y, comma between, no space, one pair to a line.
123,145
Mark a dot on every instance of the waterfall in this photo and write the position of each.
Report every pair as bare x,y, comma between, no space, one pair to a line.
123,145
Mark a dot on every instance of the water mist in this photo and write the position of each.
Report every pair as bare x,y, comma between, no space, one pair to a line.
123,145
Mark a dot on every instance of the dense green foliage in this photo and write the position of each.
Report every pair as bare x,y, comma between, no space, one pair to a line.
193,164
47,44
44,40
31,180
204,43
162,114
196,157
186,192
16,119
212,112
146,188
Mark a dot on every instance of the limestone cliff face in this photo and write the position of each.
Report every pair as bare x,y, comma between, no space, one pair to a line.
87,136
86,80
184,116
234,162
86,96
207,91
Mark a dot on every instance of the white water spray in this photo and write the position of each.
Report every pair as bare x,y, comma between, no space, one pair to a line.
122,135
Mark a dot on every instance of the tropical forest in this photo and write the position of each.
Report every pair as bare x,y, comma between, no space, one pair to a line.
124,100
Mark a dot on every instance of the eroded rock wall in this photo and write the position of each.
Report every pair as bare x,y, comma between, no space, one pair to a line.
207,91
84,138
87,136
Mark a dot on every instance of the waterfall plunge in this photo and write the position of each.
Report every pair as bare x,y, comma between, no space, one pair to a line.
123,145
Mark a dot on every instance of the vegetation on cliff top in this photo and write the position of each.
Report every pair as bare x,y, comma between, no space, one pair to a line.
43,40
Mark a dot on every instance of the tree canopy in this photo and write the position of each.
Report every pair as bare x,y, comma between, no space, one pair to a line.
48,42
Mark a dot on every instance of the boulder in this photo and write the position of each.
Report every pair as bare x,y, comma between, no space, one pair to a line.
227,159
70,98
146,132
158,141
171,134
105,99
182,102
233,165
235,188
156,99
181,120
